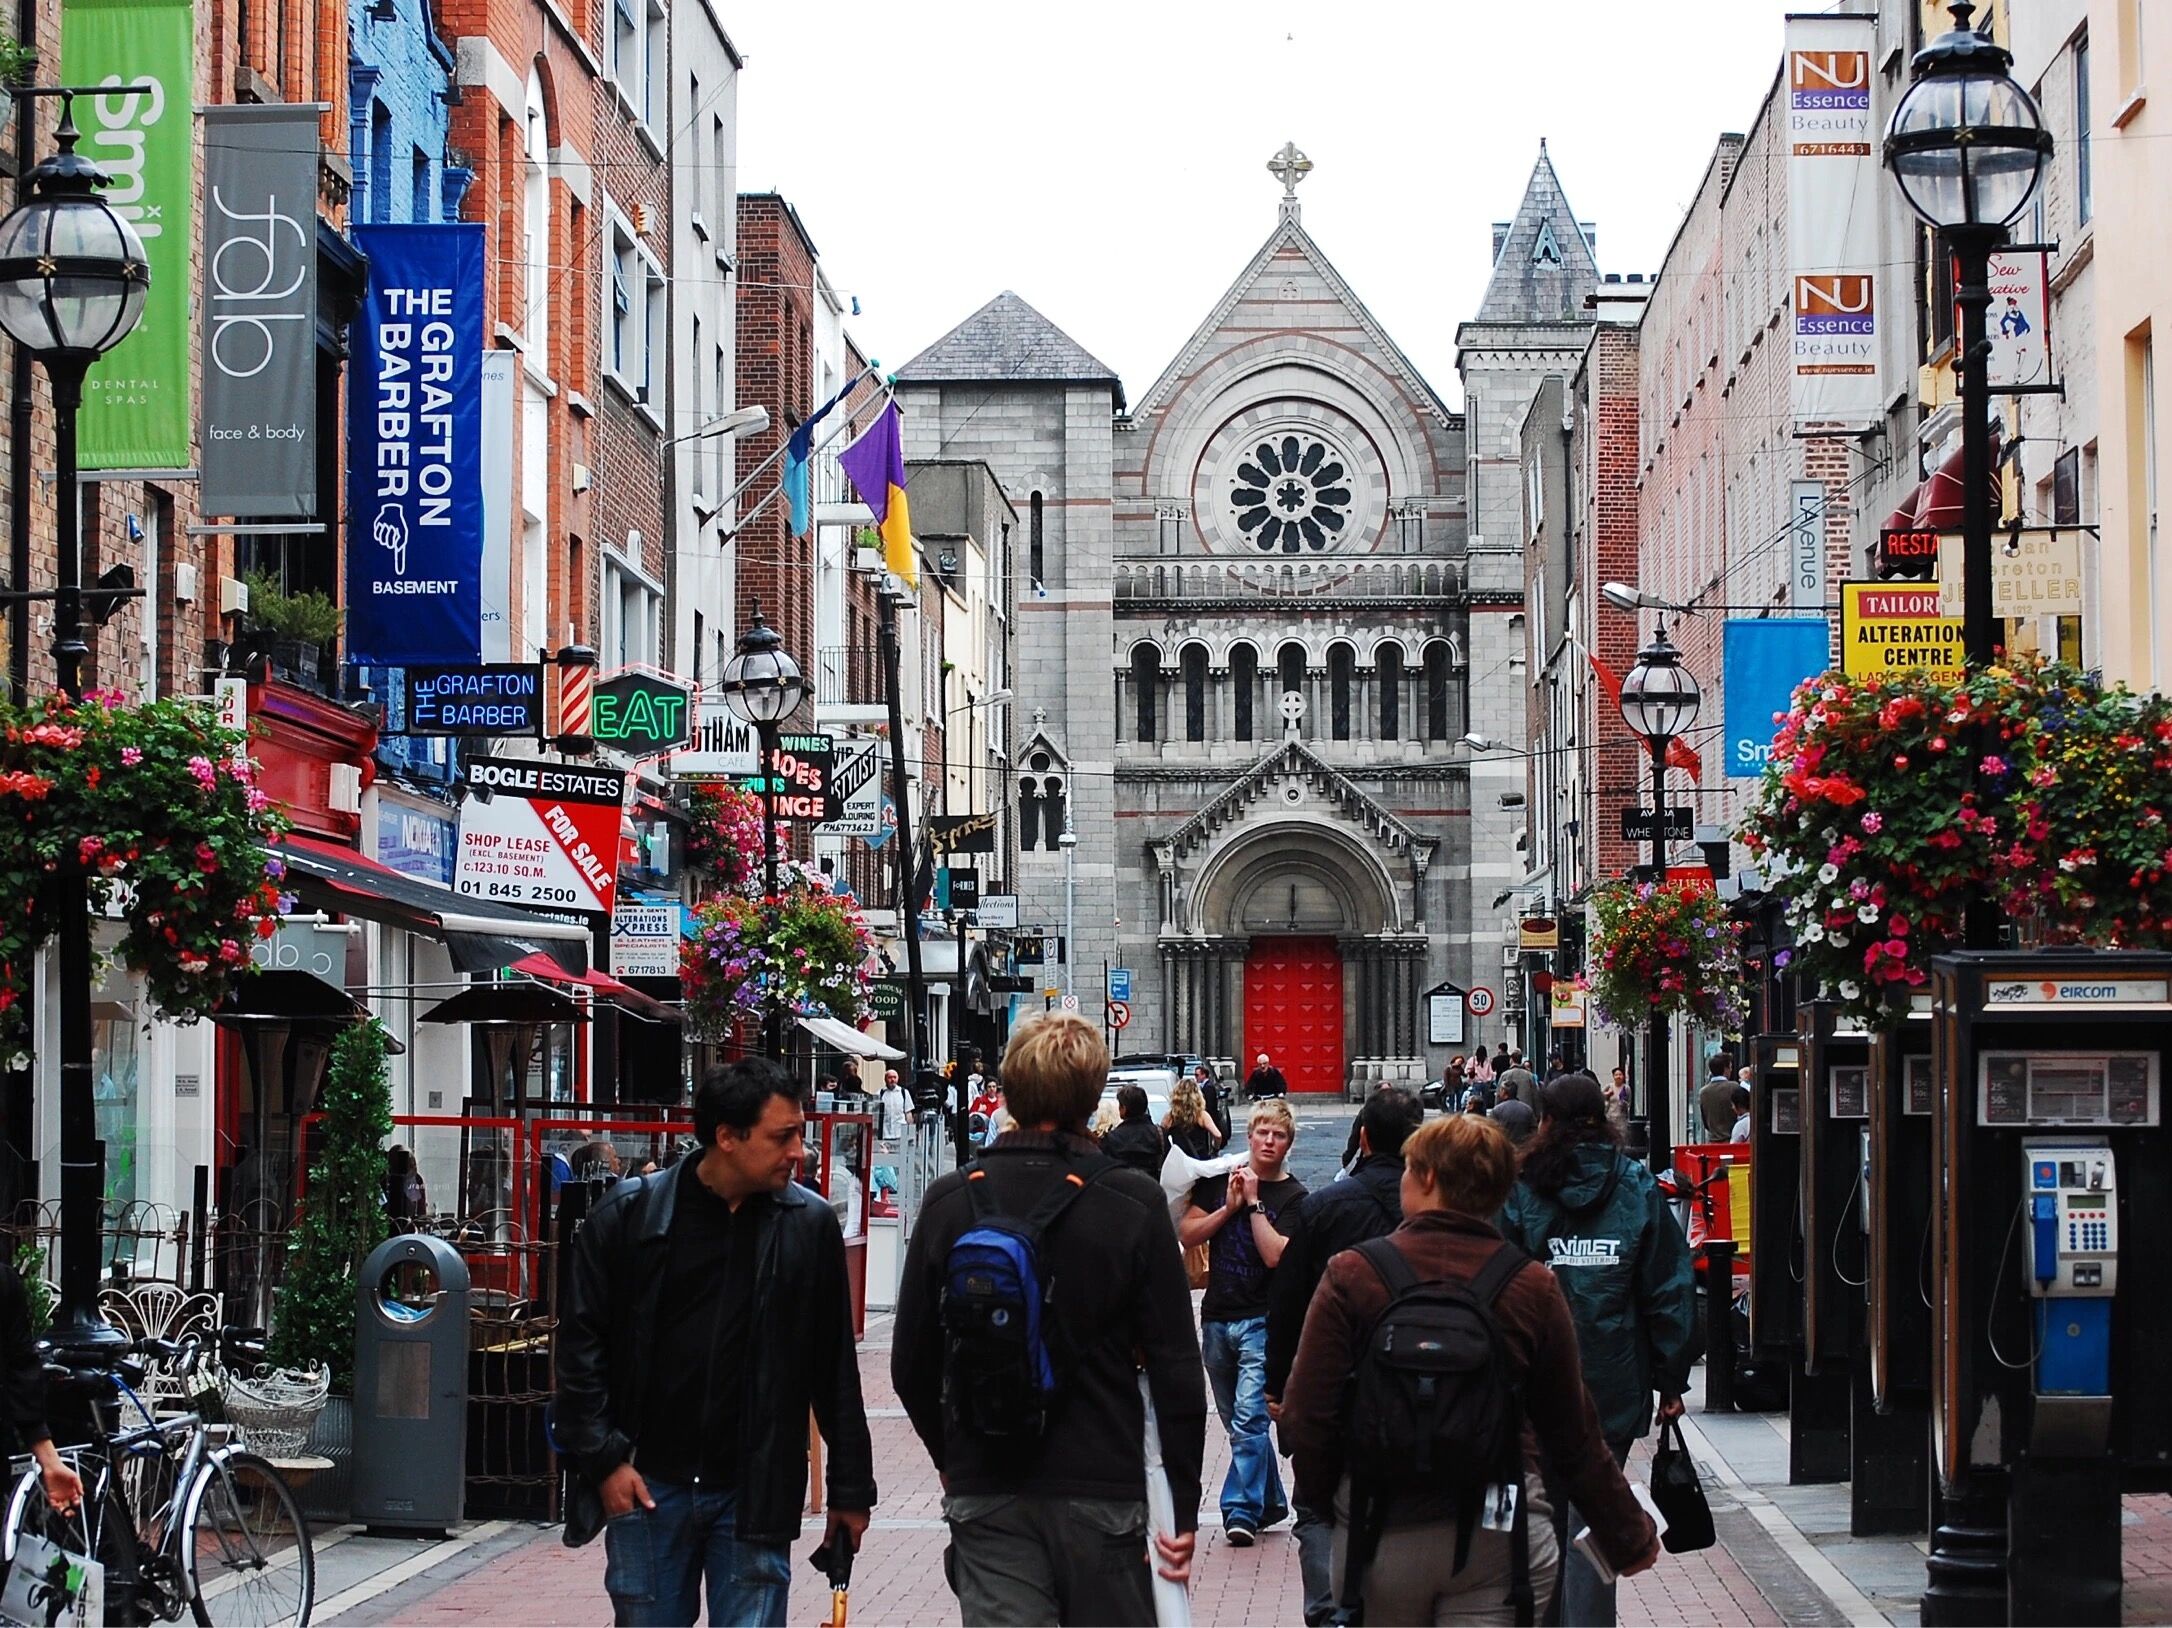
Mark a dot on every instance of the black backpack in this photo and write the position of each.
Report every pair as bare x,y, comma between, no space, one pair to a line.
1000,1353
1433,1408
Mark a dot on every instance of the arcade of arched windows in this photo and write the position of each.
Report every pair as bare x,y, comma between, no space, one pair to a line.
1184,696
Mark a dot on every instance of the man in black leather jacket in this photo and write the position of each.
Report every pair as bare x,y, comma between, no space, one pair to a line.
708,1311
1367,1203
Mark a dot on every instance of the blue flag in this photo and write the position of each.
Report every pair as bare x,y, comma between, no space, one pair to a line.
797,451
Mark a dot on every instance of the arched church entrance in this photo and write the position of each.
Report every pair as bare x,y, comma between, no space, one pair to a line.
1295,946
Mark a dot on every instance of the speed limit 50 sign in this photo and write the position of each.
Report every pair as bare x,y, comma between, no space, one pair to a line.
1480,1001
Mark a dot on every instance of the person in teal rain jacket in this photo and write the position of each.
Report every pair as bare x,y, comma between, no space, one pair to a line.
1597,1217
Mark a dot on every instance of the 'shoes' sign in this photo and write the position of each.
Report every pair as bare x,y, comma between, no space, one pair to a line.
545,834
260,311
415,556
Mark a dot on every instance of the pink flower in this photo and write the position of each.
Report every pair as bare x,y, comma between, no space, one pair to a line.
206,775
1994,765
131,756
1873,822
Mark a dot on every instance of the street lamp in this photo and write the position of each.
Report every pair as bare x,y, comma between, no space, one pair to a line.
763,685
72,282
1659,699
1968,148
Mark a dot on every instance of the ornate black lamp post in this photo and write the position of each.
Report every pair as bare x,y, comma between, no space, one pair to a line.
763,686
72,282
1968,148
1659,699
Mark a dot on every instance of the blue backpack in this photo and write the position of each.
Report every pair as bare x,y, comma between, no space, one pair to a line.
999,1373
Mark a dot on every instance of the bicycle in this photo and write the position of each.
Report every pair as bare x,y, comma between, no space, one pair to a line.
181,1525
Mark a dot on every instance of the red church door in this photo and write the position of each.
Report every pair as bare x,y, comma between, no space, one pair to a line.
1293,1011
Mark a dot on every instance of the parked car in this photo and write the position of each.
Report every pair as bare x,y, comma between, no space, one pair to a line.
1157,1083
1181,1064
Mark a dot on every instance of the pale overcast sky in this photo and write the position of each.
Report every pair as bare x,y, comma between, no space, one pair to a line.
1106,160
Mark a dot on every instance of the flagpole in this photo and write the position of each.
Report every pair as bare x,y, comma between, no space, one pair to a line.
777,490
782,447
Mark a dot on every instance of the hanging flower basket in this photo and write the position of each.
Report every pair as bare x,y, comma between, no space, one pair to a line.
1891,801
804,948
1663,949
724,838
156,805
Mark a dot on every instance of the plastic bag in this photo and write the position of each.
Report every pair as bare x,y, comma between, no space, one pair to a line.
1180,1172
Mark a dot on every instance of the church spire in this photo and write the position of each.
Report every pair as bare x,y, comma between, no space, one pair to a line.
1289,166
1543,265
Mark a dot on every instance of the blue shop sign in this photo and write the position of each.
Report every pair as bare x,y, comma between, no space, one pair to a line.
416,843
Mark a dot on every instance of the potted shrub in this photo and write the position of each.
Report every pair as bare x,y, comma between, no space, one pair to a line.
295,627
342,1220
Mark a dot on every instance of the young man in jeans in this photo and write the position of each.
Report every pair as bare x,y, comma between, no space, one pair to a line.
1053,1527
708,1313
1235,1217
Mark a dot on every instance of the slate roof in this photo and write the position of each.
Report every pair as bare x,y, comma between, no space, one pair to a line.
1524,289
1007,339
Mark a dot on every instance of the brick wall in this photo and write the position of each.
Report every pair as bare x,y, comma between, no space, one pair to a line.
776,370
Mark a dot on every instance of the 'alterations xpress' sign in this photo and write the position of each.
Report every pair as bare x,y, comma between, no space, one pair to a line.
415,467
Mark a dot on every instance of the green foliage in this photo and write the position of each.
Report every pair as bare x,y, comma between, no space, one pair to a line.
306,618
343,1214
17,61
30,1266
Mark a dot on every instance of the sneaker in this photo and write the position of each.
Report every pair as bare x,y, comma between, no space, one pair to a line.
1241,1537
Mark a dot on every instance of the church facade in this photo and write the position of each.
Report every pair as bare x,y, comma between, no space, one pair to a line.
1251,639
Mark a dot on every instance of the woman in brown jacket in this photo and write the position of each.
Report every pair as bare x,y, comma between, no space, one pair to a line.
1456,1171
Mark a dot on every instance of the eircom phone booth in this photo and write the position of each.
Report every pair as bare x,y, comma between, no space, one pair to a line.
2051,1276
1834,1424
1898,1206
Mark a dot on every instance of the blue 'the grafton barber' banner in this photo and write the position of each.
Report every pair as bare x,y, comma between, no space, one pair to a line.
1762,662
414,449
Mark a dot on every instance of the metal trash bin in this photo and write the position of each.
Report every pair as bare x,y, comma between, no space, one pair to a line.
411,1386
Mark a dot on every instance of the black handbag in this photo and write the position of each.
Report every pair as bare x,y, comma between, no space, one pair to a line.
1679,1494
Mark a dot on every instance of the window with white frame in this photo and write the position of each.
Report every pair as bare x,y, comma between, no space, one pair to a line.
656,313
701,414
720,446
625,313
656,55
632,614
626,40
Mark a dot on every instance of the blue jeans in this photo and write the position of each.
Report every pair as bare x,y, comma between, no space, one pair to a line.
655,1561
1236,1358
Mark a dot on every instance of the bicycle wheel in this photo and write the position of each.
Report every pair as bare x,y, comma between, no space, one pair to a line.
246,1547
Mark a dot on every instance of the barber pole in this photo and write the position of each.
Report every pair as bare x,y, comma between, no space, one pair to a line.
576,698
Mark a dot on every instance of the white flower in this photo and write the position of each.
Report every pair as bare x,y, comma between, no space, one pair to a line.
1849,991
1813,934
1828,874
1868,912
1839,941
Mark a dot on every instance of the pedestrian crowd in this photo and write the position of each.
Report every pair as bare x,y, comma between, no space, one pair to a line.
1454,1343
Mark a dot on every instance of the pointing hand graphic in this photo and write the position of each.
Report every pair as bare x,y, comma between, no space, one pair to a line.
389,530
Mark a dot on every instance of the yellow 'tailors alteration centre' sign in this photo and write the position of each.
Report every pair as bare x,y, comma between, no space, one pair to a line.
1887,626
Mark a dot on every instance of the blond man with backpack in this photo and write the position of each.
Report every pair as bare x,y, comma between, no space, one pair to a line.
1434,1365
1039,1282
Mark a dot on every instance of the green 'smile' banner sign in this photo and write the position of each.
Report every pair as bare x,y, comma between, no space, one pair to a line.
140,131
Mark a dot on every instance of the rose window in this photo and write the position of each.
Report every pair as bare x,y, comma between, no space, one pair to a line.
1290,495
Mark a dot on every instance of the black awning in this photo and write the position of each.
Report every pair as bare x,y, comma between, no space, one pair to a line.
481,936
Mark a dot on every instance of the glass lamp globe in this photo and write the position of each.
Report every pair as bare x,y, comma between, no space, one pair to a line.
1966,144
1659,696
72,273
762,684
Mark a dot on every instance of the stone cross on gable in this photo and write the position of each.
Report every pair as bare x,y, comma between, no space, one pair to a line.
1289,166
1293,713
